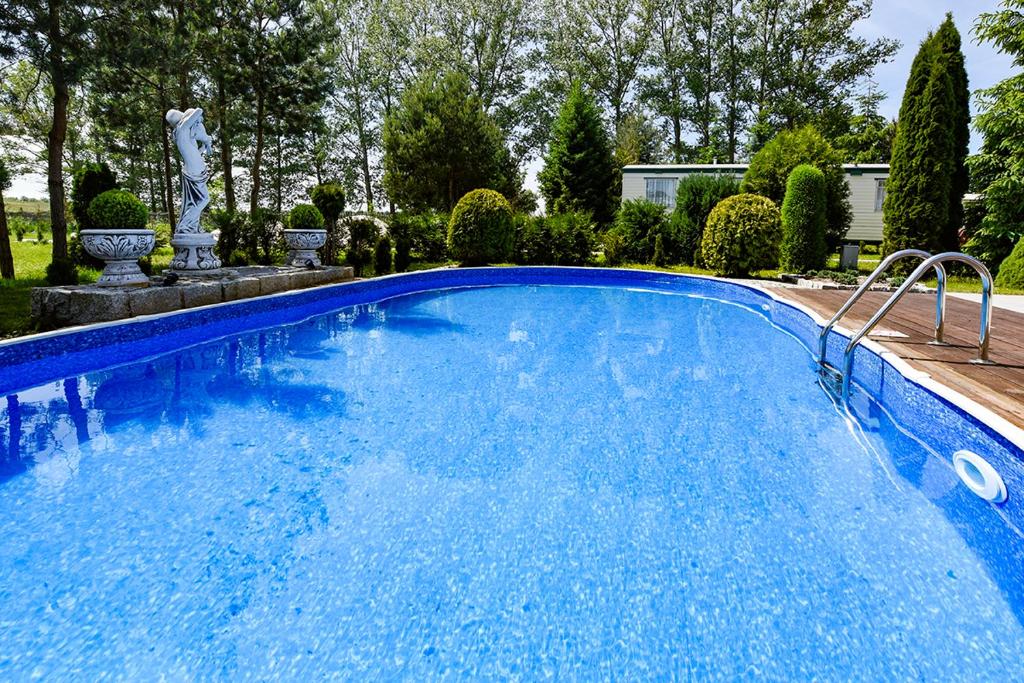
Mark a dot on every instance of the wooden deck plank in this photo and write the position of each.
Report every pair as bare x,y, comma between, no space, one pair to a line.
998,387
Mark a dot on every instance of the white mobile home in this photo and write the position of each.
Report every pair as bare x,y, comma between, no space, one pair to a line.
867,190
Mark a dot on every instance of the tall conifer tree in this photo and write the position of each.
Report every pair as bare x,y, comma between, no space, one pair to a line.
921,179
579,171
947,43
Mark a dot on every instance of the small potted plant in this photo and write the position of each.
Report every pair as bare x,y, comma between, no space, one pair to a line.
122,240
305,234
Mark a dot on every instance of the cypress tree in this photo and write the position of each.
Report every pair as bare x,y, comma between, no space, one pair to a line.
579,171
916,209
947,44
803,221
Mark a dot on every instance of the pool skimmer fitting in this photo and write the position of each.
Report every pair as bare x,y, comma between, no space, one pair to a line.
979,476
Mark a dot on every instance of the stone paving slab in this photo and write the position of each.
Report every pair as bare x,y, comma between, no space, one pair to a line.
54,307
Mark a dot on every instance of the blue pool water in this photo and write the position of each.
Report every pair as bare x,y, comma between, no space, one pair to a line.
503,482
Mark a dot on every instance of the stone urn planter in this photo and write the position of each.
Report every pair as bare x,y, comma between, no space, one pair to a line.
120,250
302,246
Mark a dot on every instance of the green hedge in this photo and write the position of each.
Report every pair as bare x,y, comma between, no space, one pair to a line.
742,235
803,221
118,210
89,181
637,225
480,230
696,195
566,239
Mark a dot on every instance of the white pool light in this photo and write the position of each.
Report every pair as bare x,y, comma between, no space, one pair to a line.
979,476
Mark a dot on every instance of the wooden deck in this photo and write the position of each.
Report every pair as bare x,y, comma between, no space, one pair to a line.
999,387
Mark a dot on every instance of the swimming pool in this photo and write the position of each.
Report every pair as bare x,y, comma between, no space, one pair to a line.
577,474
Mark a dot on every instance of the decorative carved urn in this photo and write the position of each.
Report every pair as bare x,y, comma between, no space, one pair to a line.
302,246
120,250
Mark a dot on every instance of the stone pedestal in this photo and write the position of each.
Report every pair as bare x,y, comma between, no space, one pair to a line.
194,253
302,246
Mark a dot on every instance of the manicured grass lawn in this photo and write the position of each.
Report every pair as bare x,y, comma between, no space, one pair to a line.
30,261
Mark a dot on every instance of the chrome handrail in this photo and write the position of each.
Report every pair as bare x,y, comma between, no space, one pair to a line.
940,297
986,309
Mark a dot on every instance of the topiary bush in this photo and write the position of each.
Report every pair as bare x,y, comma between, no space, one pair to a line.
118,210
696,195
305,217
382,256
638,223
566,239
88,182
330,198
803,221
1011,271
770,168
480,230
742,235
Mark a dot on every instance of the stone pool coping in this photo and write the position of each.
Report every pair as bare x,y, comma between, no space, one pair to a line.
934,414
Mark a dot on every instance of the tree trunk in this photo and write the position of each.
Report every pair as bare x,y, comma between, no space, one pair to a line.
6,257
58,132
168,176
278,193
226,161
257,159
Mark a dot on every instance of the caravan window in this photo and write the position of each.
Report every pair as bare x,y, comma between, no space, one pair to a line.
879,194
662,191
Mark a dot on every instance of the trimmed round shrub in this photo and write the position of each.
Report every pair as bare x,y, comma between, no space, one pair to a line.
480,230
382,256
88,182
118,210
305,217
696,195
1011,271
770,168
803,221
742,235
638,223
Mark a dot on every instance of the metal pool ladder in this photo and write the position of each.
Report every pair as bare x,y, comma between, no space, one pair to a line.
929,262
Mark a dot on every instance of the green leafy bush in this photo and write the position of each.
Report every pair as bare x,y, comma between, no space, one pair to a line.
305,217
803,221
658,258
88,182
118,210
382,256
330,198
742,235
638,223
480,230
427,234
696,195
842,277
362,236
613,244
1011,272
261,237
566,239
770,168
61,272
231,225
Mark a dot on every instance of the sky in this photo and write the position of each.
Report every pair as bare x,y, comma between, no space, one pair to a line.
905,20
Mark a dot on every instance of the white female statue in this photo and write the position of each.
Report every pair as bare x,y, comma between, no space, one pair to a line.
193,247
